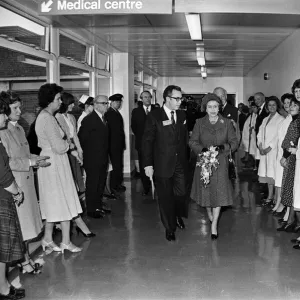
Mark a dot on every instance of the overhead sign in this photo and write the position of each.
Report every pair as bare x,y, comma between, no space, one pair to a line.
238,6
93,7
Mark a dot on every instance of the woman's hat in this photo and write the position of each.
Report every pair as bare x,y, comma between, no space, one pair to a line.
209,97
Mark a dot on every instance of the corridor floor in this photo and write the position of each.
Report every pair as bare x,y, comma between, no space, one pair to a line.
131,259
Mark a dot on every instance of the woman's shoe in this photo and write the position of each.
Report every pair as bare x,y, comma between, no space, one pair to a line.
50,245
214,236
71,247
295,241
12,295
290,227
29,269
87,235
19,292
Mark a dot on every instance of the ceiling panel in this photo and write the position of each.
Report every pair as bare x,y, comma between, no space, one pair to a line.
233,43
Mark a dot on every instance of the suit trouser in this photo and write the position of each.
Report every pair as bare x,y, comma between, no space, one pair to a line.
116,177
95,184
172,197
145,179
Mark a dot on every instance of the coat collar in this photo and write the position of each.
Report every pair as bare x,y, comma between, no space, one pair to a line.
219,125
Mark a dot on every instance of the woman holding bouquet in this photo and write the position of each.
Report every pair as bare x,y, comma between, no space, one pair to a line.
213,130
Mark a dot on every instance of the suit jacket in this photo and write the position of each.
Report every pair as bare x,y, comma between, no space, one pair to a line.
138,121
116,130
230,112
163,144
260,117
94,137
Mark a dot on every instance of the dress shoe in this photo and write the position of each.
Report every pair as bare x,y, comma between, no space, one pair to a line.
214,236
295,241
87,235
110,196
145,193
180,223
282,227
297,247
105,209
170,235
121,188
13,294
290,227
98,214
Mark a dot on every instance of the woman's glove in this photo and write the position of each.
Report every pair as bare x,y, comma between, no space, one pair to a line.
220,147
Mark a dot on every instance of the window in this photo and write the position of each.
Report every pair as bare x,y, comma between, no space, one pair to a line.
23,30
72,49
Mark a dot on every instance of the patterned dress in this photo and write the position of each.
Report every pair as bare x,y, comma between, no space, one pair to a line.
11,242
292,137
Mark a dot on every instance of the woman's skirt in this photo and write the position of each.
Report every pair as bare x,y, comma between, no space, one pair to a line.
11,242
287,190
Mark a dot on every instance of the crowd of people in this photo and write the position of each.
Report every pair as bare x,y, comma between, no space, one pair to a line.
57,176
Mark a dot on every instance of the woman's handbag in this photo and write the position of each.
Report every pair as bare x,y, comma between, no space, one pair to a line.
231,166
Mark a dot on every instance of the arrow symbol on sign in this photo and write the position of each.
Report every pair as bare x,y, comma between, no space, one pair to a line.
46,6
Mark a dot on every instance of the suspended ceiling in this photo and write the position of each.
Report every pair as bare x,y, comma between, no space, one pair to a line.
233,43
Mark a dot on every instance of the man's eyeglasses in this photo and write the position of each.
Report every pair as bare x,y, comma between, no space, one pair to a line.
176,98
104,103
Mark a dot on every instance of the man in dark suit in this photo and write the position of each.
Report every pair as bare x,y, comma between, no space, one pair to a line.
228,110
138,120
94,140
164,150
116,142
259,99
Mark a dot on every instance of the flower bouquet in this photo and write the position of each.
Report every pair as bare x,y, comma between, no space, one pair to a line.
207,161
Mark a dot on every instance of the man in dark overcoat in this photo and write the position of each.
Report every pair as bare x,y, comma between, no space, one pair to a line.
138,121
94,140
117,143
164,152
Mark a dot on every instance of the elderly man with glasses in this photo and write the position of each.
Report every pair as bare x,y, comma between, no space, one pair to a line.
164,150
94,140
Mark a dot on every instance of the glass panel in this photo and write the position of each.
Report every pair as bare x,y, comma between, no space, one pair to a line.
76,82
21,29
147,79
18,64
72,49
103,61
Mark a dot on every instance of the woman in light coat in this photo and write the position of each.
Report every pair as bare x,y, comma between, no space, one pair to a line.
267,141
21,163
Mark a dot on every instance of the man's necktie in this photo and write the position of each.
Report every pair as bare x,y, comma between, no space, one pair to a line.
104,120
172,117
147,111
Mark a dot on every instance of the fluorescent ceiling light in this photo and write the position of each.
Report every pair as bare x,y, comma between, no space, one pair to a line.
194,25
200,56
203,72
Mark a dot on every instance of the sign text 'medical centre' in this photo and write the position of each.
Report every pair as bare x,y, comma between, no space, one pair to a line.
69,7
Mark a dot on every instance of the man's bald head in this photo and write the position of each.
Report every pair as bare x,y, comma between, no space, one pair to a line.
221,93
101,103
259,99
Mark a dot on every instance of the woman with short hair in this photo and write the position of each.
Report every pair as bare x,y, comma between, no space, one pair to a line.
11,245
267,140
58,196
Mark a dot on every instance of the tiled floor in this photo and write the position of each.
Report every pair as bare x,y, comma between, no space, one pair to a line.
131,259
